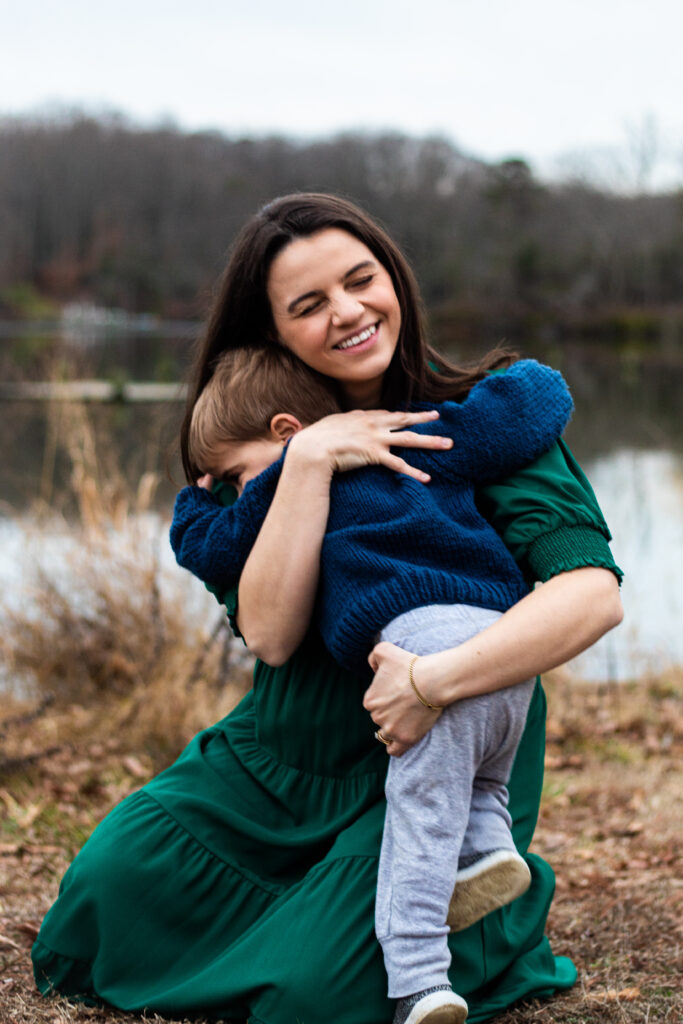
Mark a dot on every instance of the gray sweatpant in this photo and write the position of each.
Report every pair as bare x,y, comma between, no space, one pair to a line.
446,800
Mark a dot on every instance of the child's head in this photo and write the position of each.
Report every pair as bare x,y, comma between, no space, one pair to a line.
255,400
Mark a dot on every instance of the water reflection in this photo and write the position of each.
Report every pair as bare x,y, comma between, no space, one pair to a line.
627,431
641,494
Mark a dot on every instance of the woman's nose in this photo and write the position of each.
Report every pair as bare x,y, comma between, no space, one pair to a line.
345,309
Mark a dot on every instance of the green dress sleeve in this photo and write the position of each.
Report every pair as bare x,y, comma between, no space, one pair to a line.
549,518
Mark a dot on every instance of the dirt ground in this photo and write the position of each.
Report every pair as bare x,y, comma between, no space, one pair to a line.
610,826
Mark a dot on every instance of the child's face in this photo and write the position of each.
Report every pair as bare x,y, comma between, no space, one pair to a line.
236,462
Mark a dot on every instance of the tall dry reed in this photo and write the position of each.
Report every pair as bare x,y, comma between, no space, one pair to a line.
103,628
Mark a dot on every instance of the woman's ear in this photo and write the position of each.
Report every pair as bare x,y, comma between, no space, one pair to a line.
283,426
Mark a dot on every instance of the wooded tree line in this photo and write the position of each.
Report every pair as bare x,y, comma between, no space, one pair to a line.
142,219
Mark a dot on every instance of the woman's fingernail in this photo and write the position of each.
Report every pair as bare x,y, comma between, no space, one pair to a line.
446,442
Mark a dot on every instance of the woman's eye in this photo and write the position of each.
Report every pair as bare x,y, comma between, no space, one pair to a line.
311,308
361,282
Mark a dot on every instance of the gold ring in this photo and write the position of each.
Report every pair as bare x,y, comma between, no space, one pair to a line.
381,738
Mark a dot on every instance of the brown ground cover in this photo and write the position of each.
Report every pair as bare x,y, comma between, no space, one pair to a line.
610,822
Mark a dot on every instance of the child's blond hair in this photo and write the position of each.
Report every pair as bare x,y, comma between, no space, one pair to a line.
248,387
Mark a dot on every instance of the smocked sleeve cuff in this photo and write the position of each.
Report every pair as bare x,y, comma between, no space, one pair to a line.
569,547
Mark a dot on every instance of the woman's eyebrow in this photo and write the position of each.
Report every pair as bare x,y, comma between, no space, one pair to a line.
309,295
358,266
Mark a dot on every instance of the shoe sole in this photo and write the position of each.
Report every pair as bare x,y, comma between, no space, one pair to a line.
492,882
433,1010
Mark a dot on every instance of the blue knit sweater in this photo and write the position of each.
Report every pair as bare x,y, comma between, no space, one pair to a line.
393,543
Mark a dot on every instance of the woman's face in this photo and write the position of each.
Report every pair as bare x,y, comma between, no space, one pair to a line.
334,306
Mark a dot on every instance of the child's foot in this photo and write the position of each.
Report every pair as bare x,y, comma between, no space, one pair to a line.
489,881
439,1005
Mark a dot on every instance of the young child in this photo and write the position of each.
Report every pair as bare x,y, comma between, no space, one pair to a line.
415,564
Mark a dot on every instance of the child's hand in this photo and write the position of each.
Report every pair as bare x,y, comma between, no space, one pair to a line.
391,700
205,481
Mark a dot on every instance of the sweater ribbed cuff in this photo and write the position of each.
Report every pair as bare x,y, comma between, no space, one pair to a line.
570,547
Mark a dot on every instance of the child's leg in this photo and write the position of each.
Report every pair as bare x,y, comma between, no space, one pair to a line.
490,871
425,821
429,792
489,823
428,802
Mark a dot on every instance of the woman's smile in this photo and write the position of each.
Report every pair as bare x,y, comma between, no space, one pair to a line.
334,306
369,334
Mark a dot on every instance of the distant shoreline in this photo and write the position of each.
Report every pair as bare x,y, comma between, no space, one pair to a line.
450,323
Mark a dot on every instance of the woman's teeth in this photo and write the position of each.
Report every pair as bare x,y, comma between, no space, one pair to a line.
357,339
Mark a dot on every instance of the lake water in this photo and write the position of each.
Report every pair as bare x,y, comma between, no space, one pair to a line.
627,431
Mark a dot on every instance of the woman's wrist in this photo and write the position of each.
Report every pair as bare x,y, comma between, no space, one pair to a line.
307,458
437,679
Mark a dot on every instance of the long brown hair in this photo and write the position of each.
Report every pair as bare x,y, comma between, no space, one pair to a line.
241,315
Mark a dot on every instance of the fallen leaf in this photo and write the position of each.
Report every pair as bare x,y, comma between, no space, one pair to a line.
28,928
554,762
134,767
43,849
24,816
80,767
625,995
634,829
13,808
30,814
4,941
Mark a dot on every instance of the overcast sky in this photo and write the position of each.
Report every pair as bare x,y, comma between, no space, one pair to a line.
539,78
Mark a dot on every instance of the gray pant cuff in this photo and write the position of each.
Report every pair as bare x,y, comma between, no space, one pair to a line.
409,984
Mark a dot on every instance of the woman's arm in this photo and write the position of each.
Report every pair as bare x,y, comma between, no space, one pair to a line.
549,518
279,581
280,578
552,624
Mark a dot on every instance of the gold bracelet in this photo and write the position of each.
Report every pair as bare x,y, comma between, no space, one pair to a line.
432,707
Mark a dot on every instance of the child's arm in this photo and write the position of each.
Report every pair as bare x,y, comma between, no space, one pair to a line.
213,541
506,421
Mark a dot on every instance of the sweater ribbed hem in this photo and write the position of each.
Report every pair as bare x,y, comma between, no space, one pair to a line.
570,547
349,636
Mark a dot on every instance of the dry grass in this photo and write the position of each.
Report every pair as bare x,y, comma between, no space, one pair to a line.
609,824
101,634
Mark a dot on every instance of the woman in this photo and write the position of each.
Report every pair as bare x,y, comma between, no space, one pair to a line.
240,883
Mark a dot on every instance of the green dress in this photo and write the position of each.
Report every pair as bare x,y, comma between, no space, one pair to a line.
240,883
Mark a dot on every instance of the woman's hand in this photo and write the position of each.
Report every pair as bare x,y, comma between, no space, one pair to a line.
391,700
350,440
